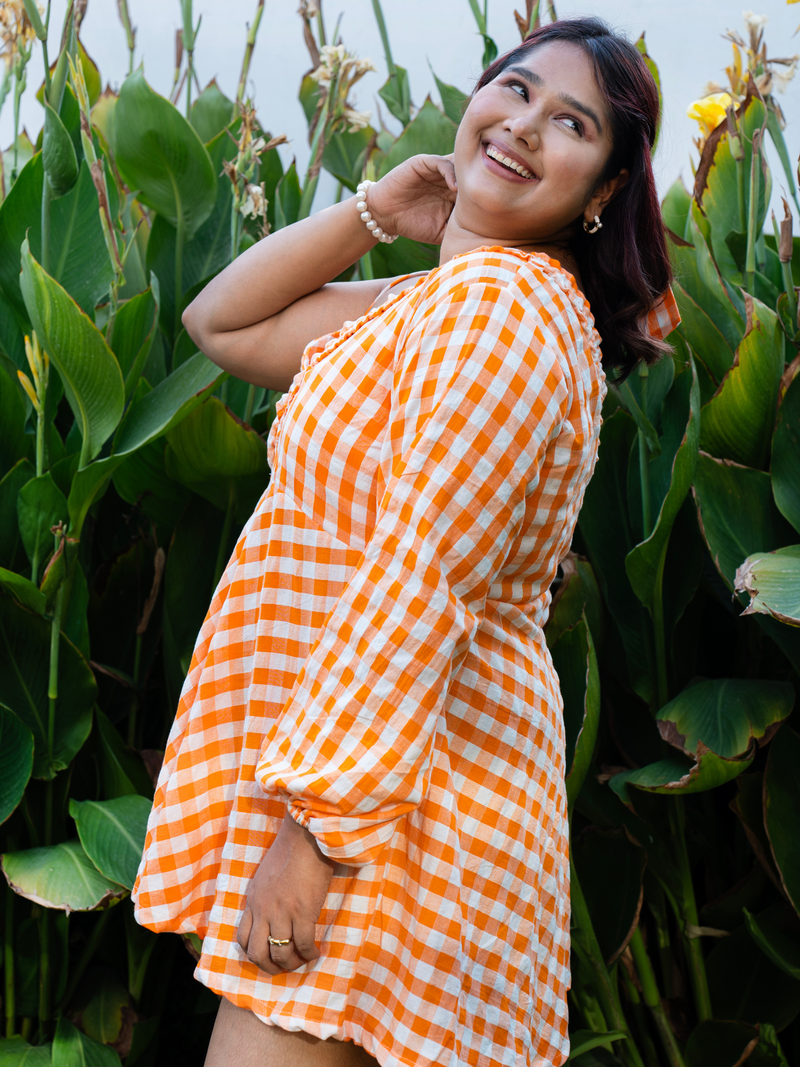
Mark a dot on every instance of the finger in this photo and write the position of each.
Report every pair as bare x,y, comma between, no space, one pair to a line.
283,956
305,945
245,925
258,947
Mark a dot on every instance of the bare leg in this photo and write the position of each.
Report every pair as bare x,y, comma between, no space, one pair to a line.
242,1040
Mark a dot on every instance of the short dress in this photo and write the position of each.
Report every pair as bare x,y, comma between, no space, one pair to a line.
373,658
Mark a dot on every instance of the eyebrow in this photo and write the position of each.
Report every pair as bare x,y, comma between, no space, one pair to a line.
570,101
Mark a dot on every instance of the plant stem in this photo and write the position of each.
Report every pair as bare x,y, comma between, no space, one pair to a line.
52,697
752,236
46,71
89,950
652,999
46,197
387,51
659,636
479,16
637,1010
252,33
8,954
694,950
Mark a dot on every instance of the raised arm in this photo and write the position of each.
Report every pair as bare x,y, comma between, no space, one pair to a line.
256,317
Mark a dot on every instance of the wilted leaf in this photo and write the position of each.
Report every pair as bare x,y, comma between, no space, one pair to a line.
60,876
112,833
704,771
773,584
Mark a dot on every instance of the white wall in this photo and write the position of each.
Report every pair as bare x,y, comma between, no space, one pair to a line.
683,36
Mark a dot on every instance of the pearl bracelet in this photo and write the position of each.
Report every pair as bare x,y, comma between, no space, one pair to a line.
372,225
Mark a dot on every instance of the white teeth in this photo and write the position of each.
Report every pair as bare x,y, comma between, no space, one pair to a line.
495,154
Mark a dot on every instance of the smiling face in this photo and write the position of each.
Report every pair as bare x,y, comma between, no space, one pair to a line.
532,149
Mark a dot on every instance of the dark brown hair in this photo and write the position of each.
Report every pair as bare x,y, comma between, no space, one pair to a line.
625,268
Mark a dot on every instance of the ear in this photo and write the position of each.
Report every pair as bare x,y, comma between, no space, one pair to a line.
604,193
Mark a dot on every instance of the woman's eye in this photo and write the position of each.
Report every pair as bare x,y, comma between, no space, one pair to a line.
574,125
519,89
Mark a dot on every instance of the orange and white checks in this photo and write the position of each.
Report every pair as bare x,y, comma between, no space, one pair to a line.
374,657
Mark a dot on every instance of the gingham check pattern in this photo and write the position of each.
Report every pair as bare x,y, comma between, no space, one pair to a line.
374,657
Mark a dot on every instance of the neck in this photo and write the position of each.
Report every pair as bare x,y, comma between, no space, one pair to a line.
458,239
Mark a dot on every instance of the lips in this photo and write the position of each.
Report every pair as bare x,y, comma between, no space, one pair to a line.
511,163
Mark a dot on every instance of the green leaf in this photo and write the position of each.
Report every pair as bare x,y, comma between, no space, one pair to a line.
159,154
610,869
11,551
581,1041
288,195
676,207
40,505
16,761
134,330
576,665
489,50
25,152
454,102
167,404
772,581
677,775
23,590
60,876
396,94
719,1043
605,527
88,369
142,479
577,593
16,1052
214,454
737,422
103,1016
776,931
702,336
726,714
15,444
644,564
58,154
747,986
782,809
212,111
737,514
87,486
122,772
112,833
697,273
71,1048
785,467
24,671
345,154
430,131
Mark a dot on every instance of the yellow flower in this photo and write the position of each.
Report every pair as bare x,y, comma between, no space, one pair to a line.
709,112
26,384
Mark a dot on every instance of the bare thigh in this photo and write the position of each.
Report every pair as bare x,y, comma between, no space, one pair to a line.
242,1040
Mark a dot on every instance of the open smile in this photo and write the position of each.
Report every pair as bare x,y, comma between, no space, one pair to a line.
499,162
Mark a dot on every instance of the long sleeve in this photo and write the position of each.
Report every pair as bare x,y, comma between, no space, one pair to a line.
480,390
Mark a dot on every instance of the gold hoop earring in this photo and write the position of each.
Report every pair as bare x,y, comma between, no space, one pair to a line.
597,225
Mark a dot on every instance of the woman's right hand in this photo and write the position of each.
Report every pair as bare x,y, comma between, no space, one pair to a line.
416,198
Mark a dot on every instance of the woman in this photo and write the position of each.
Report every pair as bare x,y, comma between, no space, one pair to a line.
362,807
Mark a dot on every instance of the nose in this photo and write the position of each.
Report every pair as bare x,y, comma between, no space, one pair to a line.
525,128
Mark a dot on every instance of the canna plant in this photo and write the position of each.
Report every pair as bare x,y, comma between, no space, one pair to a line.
129,463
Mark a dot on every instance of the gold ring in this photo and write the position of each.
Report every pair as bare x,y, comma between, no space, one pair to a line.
280,941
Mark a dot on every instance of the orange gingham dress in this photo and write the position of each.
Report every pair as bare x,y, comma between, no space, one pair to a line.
374,656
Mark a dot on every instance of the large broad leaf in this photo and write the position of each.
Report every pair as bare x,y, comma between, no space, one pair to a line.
610,868
454,102
15,444
703,337
214,454
605,528
104,1012
697,274
16,1052
737,422
776,931
577,593
679,774
676,206
747,986
345,154
726,714
167,404
288,196
122,772
576,664
24,672
90,374
737,514
16,761
40,506
772,581
112,833
60,876
12,554
645,563
782,809
58,154
142,480
78,257
71,1048
134,330
212,111
396,94
23,590
88,485
429,131
159,154
785,467
208,251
